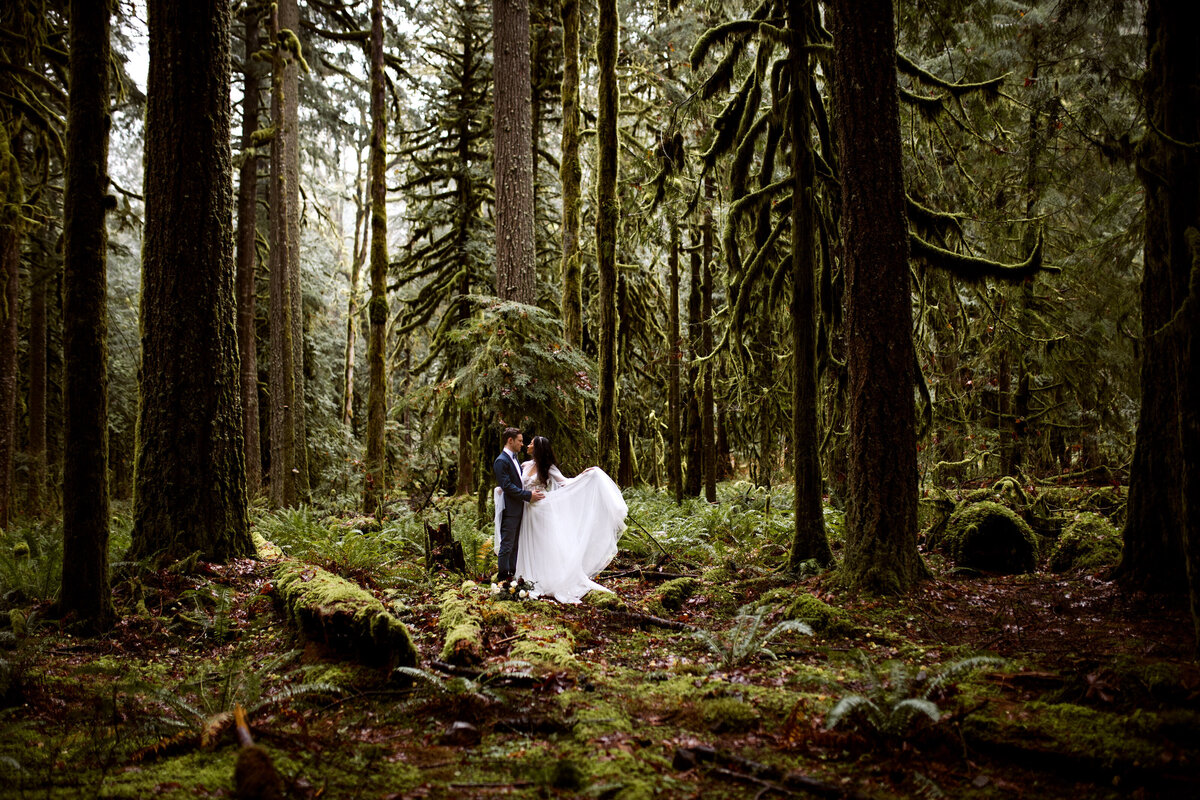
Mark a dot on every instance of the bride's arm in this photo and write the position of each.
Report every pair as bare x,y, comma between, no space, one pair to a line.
557,476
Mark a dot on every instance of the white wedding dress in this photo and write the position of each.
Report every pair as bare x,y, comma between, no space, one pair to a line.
569,535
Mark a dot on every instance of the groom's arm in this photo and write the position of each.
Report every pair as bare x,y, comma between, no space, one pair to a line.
504,480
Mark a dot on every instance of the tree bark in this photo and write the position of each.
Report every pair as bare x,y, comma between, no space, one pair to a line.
607,212
881,521
513,151
808,538
12,195
247,262
85,588
289,19
695,452
378,307
358,258
282,371
675,457
1162,532
708,445
190,487
37,394
571,177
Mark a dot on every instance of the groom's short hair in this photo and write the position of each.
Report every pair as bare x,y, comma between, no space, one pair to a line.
509,433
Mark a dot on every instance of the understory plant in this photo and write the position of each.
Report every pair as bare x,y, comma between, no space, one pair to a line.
482,689
748,638
899,698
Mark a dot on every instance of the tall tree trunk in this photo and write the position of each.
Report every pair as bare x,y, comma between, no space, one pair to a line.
281,369
378,307
37,393
1162,531
695,451
708,446
464,215
289,19
12,195
571,177
607,210
808,538
675,457
85,588
357,258
881,521
247,262
514,150
190,487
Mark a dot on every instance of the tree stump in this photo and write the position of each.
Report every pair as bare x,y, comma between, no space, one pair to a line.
442,551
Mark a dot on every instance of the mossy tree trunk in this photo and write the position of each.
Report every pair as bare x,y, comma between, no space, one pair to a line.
289,20
695,457
11,230
571,176
607,213
282,373
808,538
247,262
378,307
1162,533
37,392
675,456
468,205
708,441
85,589
513,151
190,486
881,521
362,237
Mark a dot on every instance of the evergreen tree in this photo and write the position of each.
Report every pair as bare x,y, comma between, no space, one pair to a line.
377,309
512,120
190,486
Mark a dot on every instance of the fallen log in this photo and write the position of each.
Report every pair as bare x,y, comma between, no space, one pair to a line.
342,615
642,620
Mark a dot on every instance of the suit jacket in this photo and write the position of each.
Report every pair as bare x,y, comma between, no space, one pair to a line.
508,478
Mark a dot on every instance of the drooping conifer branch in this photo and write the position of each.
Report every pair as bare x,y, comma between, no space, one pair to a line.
974,269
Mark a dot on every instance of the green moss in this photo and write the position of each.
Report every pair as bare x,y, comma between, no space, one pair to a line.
730,714
606,600
1090,541
342,614
988,536
593,716
669,597
821,617
548,646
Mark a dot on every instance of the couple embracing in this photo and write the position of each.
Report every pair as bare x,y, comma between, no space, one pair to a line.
555,532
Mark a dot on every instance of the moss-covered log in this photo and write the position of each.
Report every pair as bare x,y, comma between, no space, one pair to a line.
988,536
463,627
338,613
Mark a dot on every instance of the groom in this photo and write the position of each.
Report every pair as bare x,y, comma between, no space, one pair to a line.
508,476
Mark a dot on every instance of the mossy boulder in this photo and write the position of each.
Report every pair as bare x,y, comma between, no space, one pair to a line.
669,598
728,714
987,536
1089,542
820,616
608,601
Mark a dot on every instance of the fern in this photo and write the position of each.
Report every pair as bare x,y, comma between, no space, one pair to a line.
747,638
895,706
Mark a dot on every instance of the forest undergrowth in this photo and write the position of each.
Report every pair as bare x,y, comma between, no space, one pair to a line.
708,673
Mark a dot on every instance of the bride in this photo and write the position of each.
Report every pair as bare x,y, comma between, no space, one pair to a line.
571,534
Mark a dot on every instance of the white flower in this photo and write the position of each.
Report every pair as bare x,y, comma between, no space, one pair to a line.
524,594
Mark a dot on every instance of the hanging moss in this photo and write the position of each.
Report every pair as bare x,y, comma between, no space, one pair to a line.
987,536
1090,541
973,269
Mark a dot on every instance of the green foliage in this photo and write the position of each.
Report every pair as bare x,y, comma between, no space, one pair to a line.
482,690
31,556
347,551
748,638
899,699
204,705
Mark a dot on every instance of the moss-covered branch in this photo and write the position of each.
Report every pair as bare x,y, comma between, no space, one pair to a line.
974,269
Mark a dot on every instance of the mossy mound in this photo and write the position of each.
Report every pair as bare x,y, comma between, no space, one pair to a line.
820,616
461,622
605,600
1089,542
728,714
546,646
669,598
987,536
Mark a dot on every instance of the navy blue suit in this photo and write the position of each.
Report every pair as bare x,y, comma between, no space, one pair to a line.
508,478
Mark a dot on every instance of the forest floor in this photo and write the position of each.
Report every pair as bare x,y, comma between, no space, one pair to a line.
672,687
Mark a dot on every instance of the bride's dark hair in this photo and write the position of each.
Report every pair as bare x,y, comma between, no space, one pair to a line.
543,456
